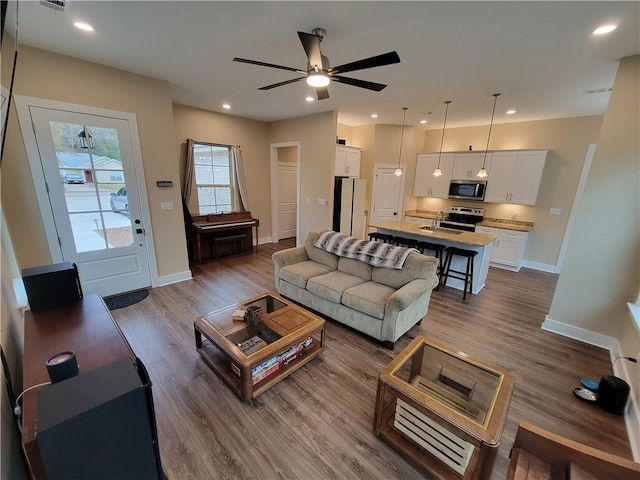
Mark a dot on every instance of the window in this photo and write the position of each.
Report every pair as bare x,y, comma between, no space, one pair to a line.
213,176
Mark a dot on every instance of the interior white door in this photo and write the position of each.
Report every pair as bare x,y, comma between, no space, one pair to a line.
287,201
93,197
386,203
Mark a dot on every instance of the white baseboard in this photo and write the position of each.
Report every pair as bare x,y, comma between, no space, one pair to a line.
545,267
173,278
632,415
263,240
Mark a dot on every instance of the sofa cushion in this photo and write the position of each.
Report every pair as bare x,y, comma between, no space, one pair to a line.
355,267
299,273
317,254
330,286
370,298
415,266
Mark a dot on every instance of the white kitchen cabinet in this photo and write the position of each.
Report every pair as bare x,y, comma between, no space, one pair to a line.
467,165
425,184
515,176
347,161
508,249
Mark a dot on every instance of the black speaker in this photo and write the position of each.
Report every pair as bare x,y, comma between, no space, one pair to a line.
613,394
51,285
97,425
61,366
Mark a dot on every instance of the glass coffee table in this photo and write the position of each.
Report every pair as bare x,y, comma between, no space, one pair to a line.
252,358
443,409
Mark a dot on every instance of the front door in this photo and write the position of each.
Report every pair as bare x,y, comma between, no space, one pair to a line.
89,170
387,195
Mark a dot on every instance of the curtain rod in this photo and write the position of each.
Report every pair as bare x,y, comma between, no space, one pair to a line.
214,144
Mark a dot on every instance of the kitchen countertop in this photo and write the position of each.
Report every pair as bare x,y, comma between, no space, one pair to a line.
457,236
503,223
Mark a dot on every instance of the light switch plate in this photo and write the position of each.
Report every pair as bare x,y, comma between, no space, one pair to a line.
555,211
323,202
166,205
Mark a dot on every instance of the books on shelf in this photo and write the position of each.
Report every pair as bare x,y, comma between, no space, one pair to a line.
273,364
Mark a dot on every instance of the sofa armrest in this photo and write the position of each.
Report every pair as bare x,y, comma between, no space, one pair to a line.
287,257
408,294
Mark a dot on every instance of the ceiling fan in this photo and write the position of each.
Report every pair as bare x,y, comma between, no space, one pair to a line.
319,73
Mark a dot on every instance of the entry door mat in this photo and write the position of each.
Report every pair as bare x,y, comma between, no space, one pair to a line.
126,299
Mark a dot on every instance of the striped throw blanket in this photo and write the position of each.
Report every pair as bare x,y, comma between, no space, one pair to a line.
374,253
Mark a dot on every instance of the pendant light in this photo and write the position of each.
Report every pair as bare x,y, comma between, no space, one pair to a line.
437,172
398,171
483,171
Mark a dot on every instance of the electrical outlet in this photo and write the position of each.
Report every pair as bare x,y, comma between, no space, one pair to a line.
513,215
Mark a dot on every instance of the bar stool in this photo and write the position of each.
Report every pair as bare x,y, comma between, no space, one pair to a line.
381,237
467,275
437,248
405,242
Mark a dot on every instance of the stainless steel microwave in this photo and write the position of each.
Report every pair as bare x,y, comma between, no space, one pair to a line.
467,189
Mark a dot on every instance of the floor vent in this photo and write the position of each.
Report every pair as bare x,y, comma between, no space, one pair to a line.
597,90
55,4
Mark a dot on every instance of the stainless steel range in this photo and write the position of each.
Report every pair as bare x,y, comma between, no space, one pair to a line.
463,218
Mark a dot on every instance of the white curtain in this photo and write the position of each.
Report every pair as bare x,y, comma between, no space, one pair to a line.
236,158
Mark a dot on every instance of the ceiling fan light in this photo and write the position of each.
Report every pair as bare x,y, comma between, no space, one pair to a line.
437,172
482,173
398,172
318,80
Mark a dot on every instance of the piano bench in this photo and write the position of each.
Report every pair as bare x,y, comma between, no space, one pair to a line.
239,240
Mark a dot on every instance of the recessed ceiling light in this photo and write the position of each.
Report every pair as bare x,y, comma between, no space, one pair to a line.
511,112
423,121
309,98
374,115
604,29
83,26
226,106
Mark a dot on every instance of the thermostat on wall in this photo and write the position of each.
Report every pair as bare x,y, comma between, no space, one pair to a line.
164,183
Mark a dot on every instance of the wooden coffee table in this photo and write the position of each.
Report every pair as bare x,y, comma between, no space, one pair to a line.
443,409
251,359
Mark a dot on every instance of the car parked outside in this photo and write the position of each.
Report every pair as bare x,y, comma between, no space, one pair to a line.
119,202
72,178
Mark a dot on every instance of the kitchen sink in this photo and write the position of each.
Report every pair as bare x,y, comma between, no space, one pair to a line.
450,231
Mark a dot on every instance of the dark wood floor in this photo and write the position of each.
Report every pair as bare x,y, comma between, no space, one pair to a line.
317,423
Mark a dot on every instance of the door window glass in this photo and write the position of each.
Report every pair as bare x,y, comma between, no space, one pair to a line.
93,181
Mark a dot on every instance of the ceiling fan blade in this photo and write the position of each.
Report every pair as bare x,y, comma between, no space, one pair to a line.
280,84
371,62
359,83
271,65
311,45
323,93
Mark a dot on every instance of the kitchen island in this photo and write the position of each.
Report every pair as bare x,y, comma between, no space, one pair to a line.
478,242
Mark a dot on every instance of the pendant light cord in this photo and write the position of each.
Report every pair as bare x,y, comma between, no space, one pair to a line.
446,110
495,100
402,133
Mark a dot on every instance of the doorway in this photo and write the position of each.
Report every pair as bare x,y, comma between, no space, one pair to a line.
92,203
285,191
387,196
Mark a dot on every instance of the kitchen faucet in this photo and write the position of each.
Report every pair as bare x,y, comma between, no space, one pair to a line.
434,225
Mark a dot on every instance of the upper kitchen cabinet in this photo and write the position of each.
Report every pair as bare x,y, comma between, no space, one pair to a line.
515,176
426,185
467,165
347,161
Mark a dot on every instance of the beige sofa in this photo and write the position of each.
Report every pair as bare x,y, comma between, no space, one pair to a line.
380,302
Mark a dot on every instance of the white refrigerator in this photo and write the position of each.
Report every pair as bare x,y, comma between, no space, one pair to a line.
349,206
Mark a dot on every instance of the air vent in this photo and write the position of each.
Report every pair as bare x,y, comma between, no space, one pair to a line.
55,4
597,90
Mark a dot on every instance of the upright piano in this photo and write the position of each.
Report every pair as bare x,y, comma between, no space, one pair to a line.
222,234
